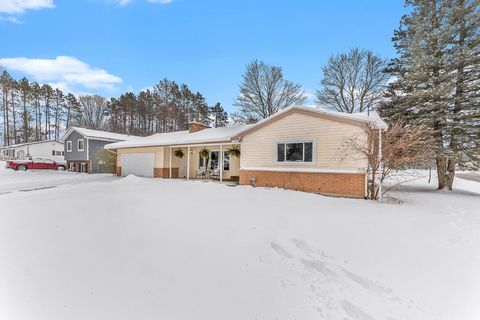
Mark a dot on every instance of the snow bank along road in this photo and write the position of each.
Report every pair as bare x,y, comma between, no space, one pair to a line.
162,249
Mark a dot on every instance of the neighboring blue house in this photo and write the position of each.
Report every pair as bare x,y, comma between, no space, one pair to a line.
82,147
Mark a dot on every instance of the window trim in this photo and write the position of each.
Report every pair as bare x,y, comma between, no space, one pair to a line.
290,163
78,145
69,143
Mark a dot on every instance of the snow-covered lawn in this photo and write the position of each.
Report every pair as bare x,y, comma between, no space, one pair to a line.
138,248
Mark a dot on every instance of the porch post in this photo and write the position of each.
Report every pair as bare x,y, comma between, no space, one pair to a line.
220,160
188,162
170,167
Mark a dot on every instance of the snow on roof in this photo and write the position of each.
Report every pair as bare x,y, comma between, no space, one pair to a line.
28,143
209,135
373,117
226,134
97,134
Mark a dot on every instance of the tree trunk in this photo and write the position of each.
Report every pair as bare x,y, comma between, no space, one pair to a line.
450,172
14,113
25,120
46,120
441,171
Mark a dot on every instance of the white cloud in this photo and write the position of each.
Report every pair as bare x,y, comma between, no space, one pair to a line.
64,73
123,2
11,19
20,6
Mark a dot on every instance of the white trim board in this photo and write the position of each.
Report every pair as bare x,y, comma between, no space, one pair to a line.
313,170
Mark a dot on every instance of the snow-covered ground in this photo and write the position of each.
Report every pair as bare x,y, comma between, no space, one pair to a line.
137,248
11,181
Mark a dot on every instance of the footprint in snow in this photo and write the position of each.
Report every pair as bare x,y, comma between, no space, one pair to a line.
280,250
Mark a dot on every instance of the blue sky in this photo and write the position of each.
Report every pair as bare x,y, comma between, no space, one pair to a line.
109,46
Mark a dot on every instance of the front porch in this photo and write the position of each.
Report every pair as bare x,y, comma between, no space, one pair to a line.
211,161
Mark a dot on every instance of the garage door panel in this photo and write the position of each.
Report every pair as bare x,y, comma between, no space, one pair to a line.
139,164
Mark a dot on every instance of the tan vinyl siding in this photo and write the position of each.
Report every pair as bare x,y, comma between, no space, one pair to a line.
166,158
259,147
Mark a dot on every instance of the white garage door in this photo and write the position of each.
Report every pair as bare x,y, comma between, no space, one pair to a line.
139,164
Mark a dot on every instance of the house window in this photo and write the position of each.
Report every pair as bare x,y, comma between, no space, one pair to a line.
226,160
203,162
214,160
295,152
58,153
69,146
81,145
83,167
72,166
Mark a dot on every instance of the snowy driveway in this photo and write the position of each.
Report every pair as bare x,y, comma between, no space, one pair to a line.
145,249
11,181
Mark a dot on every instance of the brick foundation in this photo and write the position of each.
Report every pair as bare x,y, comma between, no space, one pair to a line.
335,184
165,173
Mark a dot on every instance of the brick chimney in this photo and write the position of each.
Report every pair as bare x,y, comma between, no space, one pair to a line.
195,126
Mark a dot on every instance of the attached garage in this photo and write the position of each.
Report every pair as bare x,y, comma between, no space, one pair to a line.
138,164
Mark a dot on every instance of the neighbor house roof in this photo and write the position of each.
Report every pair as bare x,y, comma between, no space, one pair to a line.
27,144
97,134
229,134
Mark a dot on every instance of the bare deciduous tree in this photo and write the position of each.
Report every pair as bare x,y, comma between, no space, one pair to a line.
93,109
264,92
353,82
403,146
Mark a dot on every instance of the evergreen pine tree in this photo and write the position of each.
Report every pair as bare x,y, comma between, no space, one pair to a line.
220,116
430,79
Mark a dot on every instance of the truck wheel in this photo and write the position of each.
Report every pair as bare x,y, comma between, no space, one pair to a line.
61,168
22,168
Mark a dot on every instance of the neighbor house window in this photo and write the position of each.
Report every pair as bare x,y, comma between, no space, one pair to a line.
81,145
69,146
295,152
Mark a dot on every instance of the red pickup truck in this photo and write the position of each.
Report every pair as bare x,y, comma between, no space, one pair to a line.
35,163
